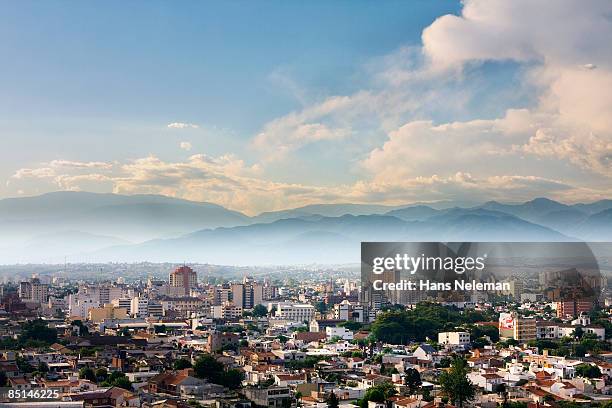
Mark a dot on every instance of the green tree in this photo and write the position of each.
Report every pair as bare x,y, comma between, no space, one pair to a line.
117,379
87,373
588,371
455,384
578,332
37,331
501,390
260,311
181,364
101,374
412,380
332,401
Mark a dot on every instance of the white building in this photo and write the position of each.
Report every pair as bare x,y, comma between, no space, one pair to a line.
454,338
341,332
295,312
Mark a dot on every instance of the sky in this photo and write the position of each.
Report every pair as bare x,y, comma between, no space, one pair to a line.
260,106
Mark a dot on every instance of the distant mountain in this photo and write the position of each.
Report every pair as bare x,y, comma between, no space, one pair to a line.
54,247
597,227
326,210
530,210
327,239
133,218
414,213
106,227
595,207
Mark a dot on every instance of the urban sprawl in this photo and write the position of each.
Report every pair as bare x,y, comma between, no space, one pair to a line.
283,341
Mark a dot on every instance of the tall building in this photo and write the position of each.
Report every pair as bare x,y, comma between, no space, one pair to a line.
573,308
247,294
34,291
184,277
513,326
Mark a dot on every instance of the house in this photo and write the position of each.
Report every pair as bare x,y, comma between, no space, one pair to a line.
486,380
285,380
355,363
425,352
406,403
113,397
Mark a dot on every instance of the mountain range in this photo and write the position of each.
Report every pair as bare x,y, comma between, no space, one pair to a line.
88,227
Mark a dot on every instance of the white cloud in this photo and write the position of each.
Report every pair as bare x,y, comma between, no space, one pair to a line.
182,125
185,146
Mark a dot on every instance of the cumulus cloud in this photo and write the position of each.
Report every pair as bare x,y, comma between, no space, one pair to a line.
185,146
419,129
182,125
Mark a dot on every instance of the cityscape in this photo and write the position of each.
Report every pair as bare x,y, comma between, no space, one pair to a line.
306,204
197,335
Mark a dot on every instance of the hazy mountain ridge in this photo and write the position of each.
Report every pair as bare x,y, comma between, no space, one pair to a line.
35,228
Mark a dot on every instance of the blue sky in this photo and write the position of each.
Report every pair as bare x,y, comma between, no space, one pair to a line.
298,99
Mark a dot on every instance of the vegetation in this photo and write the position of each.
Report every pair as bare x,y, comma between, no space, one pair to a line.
377,393
87,373
332,401
260,311
412,380
181,364
588,371
425,321
34,334
117,379
209,368
455,384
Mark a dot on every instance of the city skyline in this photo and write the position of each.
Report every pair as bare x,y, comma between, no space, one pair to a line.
364,106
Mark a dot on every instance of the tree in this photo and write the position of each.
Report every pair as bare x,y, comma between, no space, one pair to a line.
117,379
298,399
181,364
501,390
209,368
588,371
260,311
83,330
232,379
578,332
412,380
332,401
42,367
427,395
37,331
455,384
378,393
87,373
3,379
101,374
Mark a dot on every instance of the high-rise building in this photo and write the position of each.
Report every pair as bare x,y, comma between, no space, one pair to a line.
184,277
34,291
247,294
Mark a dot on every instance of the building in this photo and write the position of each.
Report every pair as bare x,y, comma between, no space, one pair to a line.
184,277
348,311
80,303
572,308
513,326
338,332
271,397
226,311
454,338
220,341
33,291
108,311
295,312
247,294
